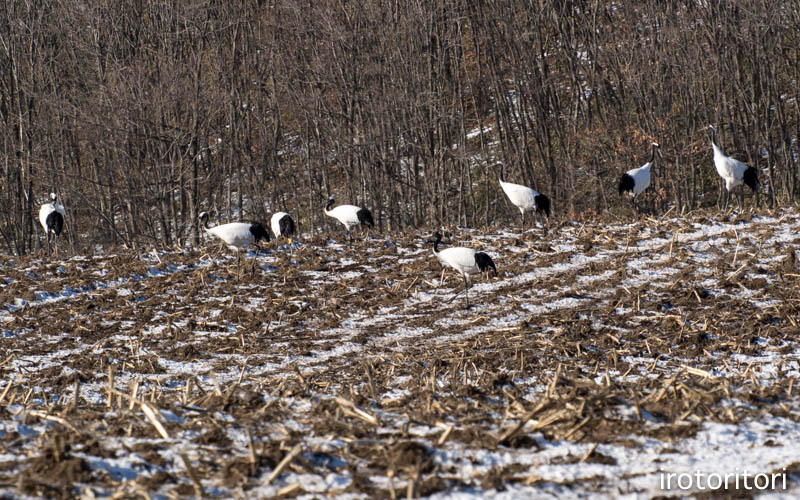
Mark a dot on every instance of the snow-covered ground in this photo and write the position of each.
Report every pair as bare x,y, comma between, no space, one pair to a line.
606,358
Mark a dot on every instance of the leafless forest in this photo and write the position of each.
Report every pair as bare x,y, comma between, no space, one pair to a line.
140,114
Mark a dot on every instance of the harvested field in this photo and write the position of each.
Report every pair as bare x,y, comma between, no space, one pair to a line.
600,357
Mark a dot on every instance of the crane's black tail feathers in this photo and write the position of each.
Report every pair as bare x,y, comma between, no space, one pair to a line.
626,183
259,232
484,262
287,226
365,217
750,178
55,222
542,204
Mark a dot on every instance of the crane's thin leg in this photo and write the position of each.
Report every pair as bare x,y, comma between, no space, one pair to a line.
466,290
522,231
255,258
441,277
454,297
238,264
544,225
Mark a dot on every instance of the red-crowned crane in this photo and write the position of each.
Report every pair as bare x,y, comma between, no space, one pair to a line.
636,180
282,224
237,235
525,198
733,172
466,261
349,215
51,216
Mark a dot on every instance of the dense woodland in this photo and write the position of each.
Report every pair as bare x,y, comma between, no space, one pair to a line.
141,114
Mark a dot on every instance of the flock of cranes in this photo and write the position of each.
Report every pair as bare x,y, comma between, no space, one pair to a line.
733,173
466,261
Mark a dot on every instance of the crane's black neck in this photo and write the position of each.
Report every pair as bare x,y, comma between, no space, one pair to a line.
713,135
437,239
330,204
204,221
653,154
502,172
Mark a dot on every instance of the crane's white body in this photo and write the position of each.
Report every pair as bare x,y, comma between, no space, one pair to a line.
524,198
48,208
636,180
733,172
730,169
641,178
466,261
346,214
275,222
236,235
51,217
349,216
459,258
521,196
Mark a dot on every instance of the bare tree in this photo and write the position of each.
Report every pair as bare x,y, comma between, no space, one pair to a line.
142,114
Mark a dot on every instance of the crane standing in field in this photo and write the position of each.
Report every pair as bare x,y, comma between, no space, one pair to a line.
636,180
466,261
525,198
349,216
733,172
282,224
237,235
51,217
